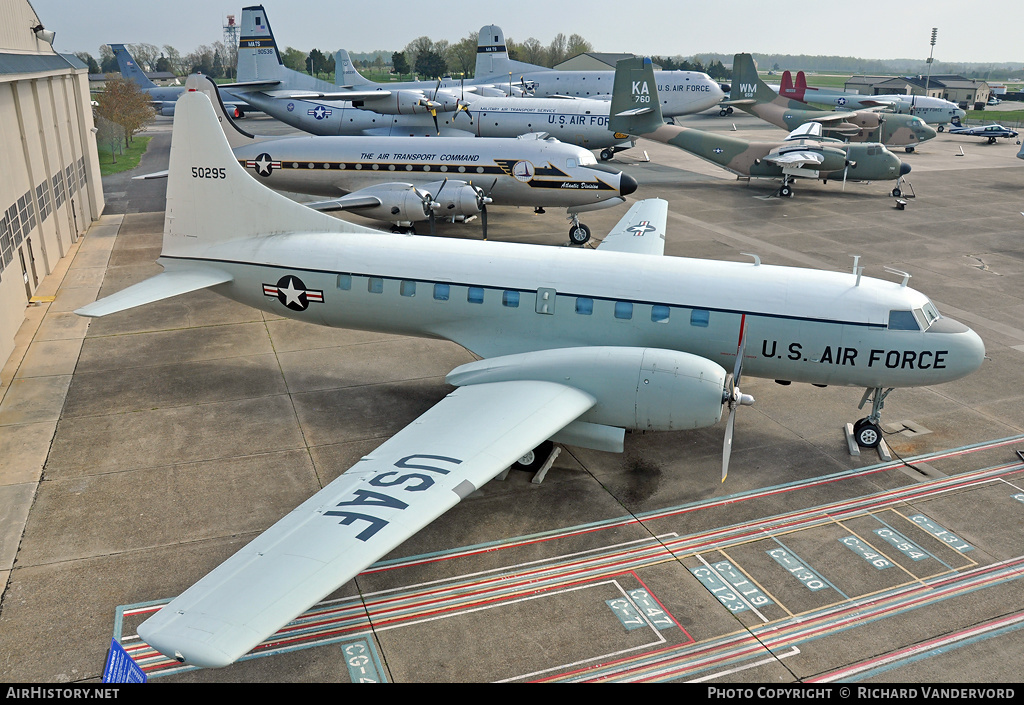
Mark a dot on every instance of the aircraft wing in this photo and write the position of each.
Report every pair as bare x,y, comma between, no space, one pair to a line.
449,452
350,202
797,157
834,117
641,230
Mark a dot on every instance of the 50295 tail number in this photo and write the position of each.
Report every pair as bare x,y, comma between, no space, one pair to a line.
208,172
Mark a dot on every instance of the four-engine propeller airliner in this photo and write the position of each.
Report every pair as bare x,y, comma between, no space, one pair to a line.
575,345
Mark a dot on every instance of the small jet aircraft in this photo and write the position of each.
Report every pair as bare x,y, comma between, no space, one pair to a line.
681,92
575,346
164,97
757,98
990,132
320,108
408,180
802,154
934,111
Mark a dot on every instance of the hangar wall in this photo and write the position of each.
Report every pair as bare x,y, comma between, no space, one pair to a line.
50,187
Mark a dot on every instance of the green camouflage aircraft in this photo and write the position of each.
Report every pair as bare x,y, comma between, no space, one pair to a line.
635,110
752,95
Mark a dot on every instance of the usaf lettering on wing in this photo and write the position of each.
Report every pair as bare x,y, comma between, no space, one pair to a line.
368,499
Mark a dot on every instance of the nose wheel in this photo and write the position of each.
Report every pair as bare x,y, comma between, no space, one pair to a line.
579,234
867,432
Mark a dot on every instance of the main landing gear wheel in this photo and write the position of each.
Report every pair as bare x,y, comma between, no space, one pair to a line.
909,150
897,192
786,191
579,234
867,434
607,153
534,459
941,128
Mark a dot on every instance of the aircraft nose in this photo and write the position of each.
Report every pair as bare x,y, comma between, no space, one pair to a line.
964,350
627,184
904,169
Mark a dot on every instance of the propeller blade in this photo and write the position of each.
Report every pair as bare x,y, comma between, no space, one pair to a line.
483,219
436,127
741,344
727,448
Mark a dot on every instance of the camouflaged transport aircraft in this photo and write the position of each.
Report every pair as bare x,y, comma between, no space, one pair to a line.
754,96
804,154
409,180
575,345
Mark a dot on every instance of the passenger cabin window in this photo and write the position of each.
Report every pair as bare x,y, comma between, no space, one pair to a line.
659,314
584,306
441,292
700,317
475,295
375,285
902,320
623,310
407,288
344,282
510,299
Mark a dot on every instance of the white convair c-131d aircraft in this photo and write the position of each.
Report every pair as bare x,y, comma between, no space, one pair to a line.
576,346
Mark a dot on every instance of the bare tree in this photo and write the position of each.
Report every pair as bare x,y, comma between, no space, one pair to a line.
533,52
577,45
123,103
557,50
462,55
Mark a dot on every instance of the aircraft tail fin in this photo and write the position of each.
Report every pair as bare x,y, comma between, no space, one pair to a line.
801,85
258,55
346,73
786,86
236,136
747,84
635,108
129,69
210,197
491,52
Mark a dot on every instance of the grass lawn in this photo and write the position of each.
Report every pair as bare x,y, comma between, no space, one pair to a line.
125,161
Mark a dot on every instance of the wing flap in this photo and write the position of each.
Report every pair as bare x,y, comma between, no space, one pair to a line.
450,451
353,202
641,230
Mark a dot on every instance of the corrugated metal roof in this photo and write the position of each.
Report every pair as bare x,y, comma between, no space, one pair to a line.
36,63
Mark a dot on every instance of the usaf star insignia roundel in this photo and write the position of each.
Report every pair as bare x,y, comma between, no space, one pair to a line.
290,291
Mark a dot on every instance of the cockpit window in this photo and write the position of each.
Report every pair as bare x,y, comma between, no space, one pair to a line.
927,314
903,320
587,158
570,163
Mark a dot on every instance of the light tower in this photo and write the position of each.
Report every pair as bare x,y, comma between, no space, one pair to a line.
231,30
935,31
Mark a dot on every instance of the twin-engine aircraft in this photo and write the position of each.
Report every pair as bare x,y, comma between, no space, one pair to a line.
321,108
576,346
164,98
409,180
934,111
991,133
754,96
802,154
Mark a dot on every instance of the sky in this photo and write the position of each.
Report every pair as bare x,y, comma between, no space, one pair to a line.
967,32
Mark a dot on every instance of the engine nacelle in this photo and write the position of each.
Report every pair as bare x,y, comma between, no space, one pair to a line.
400,203
636,388
490,92
867,120
454,198
405,102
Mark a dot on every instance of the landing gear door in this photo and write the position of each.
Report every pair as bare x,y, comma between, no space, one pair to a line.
546,300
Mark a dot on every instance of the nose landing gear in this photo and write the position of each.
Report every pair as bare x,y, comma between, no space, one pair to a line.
867,432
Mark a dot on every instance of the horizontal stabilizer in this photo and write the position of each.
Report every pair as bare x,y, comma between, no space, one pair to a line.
250,85
740,101
154,175
162,286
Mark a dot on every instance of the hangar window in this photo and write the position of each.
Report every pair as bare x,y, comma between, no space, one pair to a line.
407,288
510,299
375,285
623,310
345,282
902,320
584,306
475,295
659,314
441,292
700,317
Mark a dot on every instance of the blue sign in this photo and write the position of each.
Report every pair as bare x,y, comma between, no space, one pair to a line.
121,668
362,662
866,552
941,534
798,570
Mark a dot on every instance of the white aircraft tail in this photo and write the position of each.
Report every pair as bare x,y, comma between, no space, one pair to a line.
210,197
491,52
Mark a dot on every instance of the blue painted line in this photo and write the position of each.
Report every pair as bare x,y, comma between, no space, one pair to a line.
811,580
932,555
720,589
740,584
934,652
902,544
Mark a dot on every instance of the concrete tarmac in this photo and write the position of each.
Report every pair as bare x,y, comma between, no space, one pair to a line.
140,450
